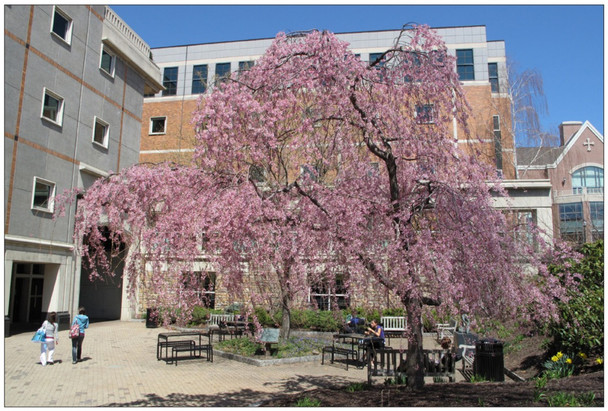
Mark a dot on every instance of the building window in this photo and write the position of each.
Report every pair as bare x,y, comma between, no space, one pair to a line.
107,61
424,114
209,290
61,25
52,107
43,194
571,222
101,132
493,74
591,178
596,213
373,57
158,125
497,143
464,64
222,72
325,297
199,79
246,65
170,81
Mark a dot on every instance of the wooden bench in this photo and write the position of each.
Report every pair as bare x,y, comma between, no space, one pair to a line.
391,362
393,326
446,330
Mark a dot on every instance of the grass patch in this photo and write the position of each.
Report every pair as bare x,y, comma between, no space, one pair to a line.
308,402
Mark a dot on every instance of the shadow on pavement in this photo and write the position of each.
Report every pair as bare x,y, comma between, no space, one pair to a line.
241,398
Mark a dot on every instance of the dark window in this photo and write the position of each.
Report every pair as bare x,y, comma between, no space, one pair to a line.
100,134
493,74
326,297
199,79
62,25
170,81
245,65
424,113
52,107
43,192
571,222
157,125
464,64
376,56
596,211
222,71
107,62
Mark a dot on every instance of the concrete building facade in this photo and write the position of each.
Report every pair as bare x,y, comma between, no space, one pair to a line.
74,81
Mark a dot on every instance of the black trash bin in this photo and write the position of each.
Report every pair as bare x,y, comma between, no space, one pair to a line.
489,360
151,322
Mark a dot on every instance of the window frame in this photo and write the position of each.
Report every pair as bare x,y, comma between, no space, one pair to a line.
70,29
204,83
170,91
460,64
151,129
493,78
425,113
112,69
218,79
106,136
59,117
50,208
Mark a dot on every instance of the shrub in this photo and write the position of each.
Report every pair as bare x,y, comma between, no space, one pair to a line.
308,402
581,324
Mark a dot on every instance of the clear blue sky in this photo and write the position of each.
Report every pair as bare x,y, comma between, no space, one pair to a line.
564,43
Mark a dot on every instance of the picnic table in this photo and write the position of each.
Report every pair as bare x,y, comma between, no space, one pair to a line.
340,345
179,342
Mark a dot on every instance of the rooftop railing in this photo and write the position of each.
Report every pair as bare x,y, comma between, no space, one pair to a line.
126,31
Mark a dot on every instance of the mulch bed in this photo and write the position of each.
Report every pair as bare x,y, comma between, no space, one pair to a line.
463,394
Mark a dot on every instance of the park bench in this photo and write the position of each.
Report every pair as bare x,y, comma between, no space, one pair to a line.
446,330
217,325
393,326
391,362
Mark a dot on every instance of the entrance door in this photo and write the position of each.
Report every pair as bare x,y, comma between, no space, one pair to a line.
28,285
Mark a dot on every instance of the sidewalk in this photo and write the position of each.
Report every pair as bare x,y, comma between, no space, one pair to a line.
119,368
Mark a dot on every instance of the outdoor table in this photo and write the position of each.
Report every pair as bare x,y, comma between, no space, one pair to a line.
352,339
175,336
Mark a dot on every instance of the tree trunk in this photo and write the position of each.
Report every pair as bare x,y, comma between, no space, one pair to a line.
286,317
415,359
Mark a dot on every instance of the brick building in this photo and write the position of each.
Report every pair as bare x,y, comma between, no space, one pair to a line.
192,70
575,170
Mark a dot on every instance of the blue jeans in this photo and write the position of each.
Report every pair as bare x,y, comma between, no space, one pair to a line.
77,348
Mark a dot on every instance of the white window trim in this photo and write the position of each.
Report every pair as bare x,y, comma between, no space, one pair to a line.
51,203
150,132
56,96
112,65
68,35
106,137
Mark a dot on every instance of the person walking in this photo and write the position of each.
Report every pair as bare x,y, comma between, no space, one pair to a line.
48,345
83,322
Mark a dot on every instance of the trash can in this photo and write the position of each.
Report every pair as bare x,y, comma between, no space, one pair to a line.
489,360
151,322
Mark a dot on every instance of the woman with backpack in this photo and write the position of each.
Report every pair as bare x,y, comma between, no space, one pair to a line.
83,322
48,345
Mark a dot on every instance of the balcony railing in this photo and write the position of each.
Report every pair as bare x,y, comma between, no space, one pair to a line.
578,192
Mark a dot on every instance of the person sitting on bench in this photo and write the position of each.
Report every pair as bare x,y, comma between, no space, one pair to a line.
376,339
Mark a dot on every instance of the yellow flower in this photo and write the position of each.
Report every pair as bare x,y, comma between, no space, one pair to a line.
569,361
599,361
554,358
582,355
559,355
